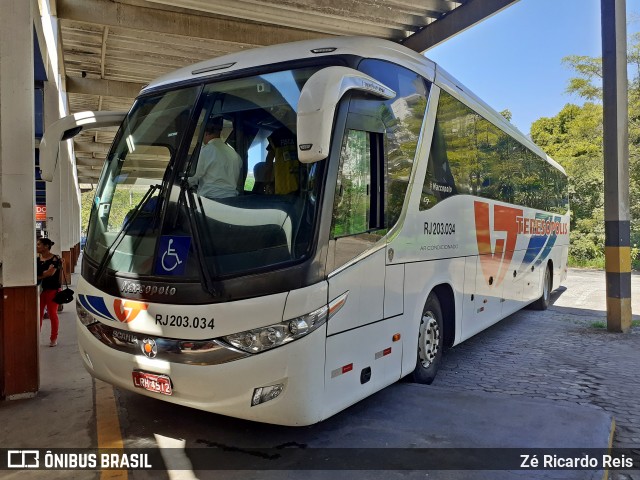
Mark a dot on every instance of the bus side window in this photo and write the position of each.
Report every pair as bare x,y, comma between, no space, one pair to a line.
357,208
439,182
352,204
402,118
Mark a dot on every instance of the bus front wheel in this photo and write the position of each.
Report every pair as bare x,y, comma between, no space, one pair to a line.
430,335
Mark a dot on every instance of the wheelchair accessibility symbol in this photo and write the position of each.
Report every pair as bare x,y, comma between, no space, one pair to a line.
172,255
173,258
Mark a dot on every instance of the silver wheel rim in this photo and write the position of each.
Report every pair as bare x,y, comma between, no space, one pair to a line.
429,339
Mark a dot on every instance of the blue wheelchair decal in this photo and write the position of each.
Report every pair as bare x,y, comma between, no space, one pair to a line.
172,255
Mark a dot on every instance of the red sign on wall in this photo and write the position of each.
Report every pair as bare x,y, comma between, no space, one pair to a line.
41,212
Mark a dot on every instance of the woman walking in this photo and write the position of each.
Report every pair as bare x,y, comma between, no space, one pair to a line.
49,278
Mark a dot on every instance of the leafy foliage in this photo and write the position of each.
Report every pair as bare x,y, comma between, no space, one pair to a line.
574,138
507,114
589,82
87,201
124,200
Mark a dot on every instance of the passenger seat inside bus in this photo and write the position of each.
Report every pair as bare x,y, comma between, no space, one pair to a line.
263,184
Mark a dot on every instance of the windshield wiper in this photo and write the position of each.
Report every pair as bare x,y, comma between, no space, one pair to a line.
125,229
189,202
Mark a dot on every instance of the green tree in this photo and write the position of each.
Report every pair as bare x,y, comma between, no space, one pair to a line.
588,83
125,199
86,202
507,114
574,138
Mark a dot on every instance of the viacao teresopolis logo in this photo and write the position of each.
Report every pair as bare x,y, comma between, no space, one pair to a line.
128,310
496,245
124,311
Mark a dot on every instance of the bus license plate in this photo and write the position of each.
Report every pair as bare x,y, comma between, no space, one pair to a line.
152,382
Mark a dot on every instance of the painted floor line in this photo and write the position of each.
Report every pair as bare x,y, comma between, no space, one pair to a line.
108,427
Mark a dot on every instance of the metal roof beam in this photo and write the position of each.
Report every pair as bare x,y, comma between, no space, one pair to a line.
113,14
423,6
106,88
91,147
455,22
327,16
88,170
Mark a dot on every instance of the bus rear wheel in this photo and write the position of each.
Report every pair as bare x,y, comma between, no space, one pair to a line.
545,299
430,336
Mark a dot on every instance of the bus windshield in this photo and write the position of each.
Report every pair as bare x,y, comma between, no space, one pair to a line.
230,195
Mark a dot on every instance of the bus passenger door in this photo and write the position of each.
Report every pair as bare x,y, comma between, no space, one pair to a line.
360,354
356,246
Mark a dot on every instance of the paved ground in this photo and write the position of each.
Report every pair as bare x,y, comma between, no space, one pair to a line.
382,430
559,358
564,354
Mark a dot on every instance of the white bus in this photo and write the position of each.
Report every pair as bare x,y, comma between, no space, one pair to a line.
382,214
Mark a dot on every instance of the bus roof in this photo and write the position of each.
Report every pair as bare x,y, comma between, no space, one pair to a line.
361,46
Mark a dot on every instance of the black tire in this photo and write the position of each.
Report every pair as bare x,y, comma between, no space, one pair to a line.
545,299
430,344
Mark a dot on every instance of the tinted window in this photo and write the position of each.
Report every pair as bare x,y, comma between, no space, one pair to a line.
142,151
351,203
254,204
402,117
470,155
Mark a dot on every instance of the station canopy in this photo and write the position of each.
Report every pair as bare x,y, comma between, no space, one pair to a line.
112,48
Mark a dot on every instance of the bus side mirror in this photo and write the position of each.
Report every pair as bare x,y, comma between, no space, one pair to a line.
66,128
317,107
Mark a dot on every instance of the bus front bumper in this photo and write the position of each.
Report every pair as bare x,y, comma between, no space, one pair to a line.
227,388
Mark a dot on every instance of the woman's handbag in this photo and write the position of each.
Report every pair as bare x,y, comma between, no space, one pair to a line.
66,294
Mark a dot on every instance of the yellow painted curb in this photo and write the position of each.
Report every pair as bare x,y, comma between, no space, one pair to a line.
610,446
108,426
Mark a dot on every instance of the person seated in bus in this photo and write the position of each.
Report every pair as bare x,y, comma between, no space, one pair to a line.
282,160
219,165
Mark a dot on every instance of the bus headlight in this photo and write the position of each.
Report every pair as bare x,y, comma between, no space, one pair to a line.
261,339
83,315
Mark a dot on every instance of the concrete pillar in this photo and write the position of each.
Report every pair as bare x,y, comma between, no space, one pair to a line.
66,186
76,223
616,165
19,323
51,114
76,237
